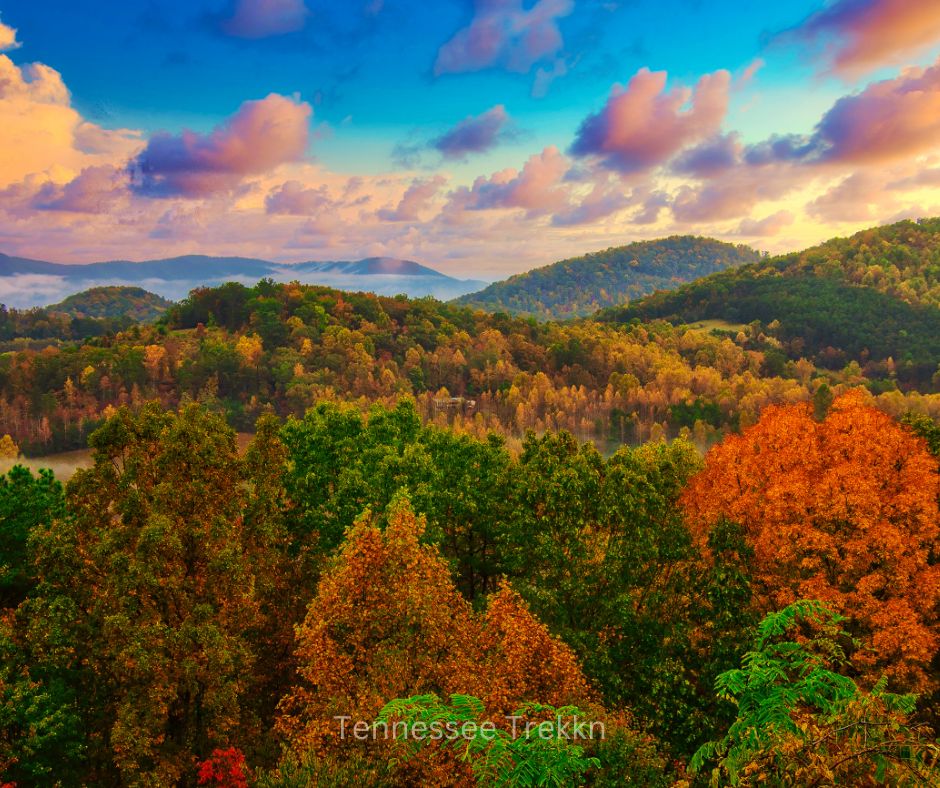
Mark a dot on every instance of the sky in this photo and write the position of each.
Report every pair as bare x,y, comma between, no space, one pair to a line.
479,137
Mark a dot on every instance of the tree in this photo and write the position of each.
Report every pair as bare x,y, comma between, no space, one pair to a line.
145,595
843,510
801,722
26,503
926,428
540,756
386,622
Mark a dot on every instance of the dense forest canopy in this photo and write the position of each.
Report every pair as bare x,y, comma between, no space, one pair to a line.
874,296
185,613
244,350
580,286
718,544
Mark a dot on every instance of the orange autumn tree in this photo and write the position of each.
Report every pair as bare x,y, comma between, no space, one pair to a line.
388,622
524,661
843,510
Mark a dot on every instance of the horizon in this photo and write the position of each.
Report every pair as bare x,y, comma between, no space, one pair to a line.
483,140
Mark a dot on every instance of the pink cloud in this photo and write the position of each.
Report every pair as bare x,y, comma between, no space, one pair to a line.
643,125
889,119
264,18
504,34
735,192
295,199
860,197
260,136
860,35
537,188
711,157
417,198
474,134
94,190
769,225
602,201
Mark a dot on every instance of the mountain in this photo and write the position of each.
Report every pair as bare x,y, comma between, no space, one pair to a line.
136,303
873,296
581,285
26,283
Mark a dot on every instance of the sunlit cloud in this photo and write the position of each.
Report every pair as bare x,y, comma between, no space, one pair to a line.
856,36
643,124
260,136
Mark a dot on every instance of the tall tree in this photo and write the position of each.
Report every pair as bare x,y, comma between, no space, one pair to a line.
845,511
145,594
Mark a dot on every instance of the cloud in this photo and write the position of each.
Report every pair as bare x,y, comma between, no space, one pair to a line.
861,197
643,125
294,199
857,36
891,119
602,201
769,225
537,188
715,155
95,190
416,199
42,134
653,205
8,38
735,192
265,18
260,136
474,134
504,34
26,290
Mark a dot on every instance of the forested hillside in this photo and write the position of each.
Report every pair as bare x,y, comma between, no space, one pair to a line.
580,286
872,297
135,303
244,351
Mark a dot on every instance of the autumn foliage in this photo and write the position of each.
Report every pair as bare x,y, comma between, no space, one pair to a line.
843,510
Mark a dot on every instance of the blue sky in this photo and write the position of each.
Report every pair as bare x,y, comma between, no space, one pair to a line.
167,65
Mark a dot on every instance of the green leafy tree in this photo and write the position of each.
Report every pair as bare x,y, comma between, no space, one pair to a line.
536,755
801,722
26,502
145,595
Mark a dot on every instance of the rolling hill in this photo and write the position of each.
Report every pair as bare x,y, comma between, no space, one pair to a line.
871,297
26,283
135,303
581,285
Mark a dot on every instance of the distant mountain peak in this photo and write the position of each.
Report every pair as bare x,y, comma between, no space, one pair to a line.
38,282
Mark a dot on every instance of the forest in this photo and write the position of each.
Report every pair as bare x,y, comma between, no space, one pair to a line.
708,543
282,348
873,296
186,613
580,286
